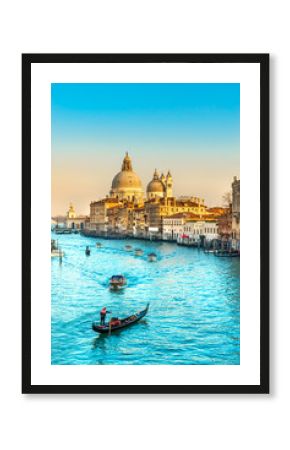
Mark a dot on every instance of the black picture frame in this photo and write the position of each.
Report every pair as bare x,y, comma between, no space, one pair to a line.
263,61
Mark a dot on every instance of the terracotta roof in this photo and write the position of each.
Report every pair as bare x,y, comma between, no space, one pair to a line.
187,203
105,200
182,215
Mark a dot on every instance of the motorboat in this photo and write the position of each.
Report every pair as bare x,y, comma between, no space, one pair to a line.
152,257
117,282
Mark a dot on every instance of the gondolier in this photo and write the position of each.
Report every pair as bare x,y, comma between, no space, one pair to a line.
103,314
118,324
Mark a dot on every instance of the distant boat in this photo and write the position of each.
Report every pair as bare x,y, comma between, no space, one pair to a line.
139,252
118,324
128,248
98,244
57,253
88,250
227,253
117,282
152,257
63,231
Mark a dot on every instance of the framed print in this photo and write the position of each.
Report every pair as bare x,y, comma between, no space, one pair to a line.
158,275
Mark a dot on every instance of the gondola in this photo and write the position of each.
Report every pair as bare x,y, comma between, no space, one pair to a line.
128,248
107,329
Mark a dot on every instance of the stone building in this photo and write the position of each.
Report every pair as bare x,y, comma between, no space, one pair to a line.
236,212
172,226
197,230
157,208
99,213
118,218
190,226
74,221
137,221
225,224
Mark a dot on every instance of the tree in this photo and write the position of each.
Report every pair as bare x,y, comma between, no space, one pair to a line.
227,199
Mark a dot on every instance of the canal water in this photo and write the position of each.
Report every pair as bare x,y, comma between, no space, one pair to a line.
194,315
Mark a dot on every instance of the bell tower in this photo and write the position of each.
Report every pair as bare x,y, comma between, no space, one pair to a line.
169,185
71,214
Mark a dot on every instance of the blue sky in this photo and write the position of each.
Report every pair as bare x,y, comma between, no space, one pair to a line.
193,129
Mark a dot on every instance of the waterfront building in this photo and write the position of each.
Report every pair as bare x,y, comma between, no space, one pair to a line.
172,226
137,221
118,218
236,213
195,230
98,213
190,226
225,224
153,218
75,221
156,209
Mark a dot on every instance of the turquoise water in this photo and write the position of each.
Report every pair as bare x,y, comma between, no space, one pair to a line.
194,315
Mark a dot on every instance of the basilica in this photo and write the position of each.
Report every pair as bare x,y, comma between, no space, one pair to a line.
130,211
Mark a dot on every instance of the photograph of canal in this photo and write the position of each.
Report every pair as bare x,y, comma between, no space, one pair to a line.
145,224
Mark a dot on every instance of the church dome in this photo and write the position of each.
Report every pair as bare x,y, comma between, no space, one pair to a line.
127,184
155,184
126,179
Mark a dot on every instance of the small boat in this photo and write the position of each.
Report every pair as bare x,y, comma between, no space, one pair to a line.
88,250
227,253
57,253
138,252
152,257
119,323
117,282
63,231
98,244
128,248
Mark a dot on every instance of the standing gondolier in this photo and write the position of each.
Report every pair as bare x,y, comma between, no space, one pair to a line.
103,314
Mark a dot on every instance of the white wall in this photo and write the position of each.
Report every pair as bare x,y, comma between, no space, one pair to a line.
202,422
